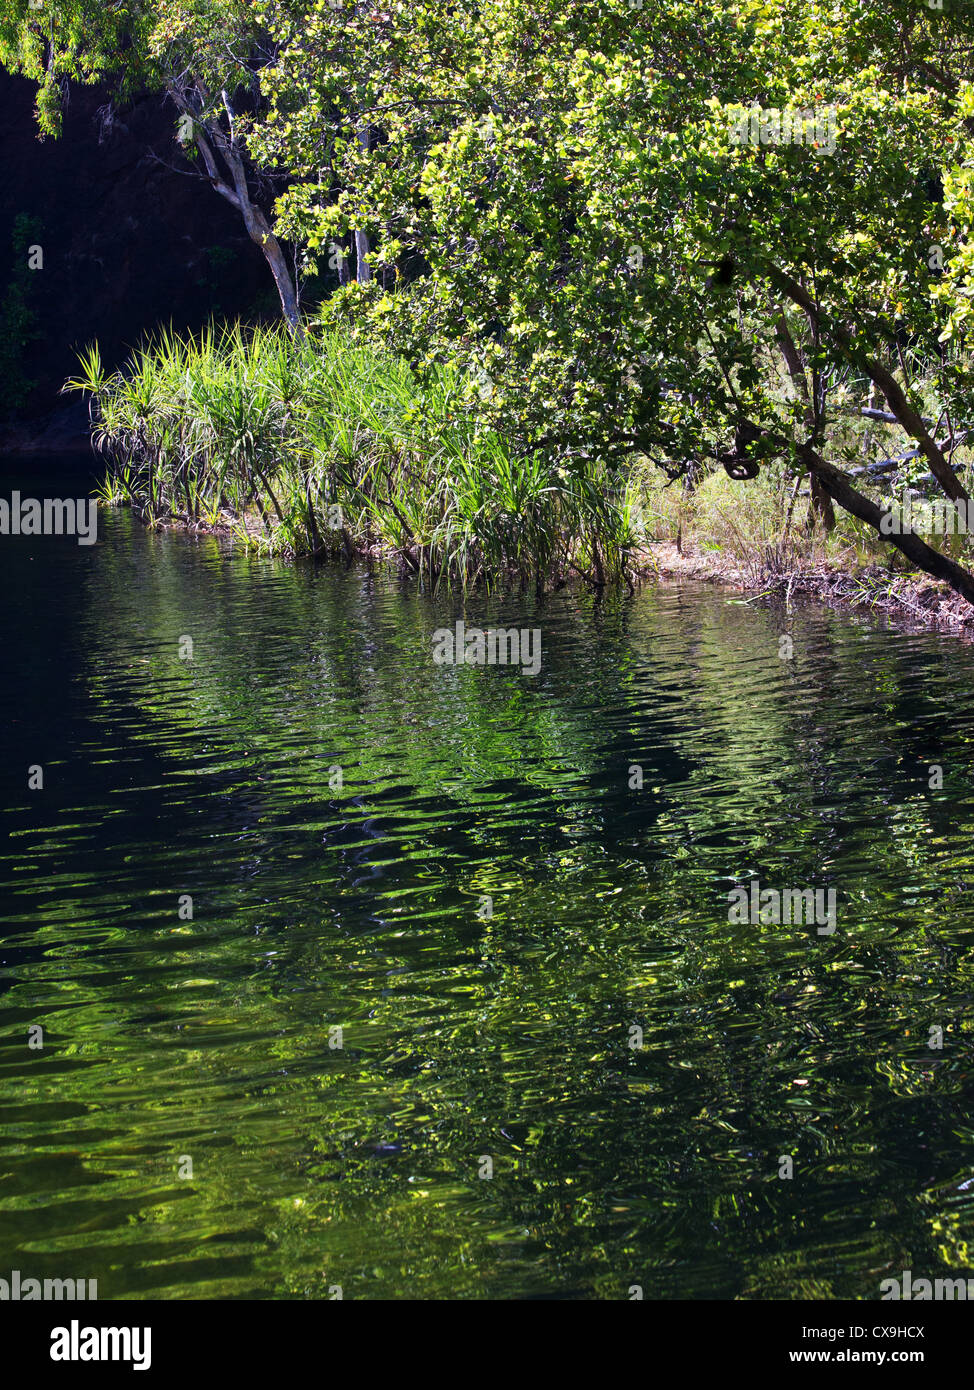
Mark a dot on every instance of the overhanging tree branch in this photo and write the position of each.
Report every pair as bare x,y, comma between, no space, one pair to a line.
903,410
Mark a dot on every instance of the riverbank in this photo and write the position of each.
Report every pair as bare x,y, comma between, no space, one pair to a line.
914,599
923,600
334,447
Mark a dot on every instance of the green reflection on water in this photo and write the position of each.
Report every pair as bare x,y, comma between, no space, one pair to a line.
467,1035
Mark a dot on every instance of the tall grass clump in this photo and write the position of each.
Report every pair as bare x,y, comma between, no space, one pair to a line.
325,445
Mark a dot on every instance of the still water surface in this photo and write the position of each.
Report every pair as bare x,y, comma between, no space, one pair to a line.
471,1032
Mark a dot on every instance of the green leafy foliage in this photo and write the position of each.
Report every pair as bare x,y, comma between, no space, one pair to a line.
564,208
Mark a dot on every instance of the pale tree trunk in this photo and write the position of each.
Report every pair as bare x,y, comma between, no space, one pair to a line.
232,186
363,271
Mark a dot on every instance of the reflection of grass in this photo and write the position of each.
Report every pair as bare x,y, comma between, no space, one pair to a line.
508,1036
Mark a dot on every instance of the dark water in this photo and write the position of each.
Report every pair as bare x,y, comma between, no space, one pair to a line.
467,1035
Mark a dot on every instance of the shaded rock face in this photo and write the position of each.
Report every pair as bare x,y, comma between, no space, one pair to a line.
127,244
62,431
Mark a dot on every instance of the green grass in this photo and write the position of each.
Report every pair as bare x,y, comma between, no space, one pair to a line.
327,445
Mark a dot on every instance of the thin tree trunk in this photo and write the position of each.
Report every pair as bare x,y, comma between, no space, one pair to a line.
363,271
259,231
208,137
820,499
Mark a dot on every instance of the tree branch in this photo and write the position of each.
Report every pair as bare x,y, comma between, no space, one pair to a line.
902,409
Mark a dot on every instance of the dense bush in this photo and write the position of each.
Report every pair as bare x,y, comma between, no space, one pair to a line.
328,444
